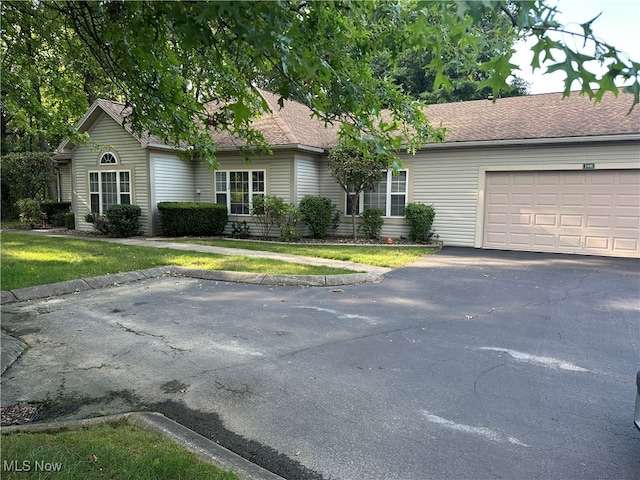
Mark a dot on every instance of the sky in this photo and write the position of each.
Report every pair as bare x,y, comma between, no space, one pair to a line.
619,25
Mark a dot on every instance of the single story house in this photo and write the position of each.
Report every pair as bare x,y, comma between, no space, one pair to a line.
535,173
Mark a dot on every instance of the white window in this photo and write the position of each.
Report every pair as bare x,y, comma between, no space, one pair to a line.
108,188
236,189
390,195
108,158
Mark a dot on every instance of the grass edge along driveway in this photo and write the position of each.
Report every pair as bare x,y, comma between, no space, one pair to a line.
112,450
31,260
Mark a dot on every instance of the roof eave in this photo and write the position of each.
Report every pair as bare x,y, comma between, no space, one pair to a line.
631,137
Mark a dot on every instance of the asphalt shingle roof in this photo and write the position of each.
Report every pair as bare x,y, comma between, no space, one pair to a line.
543,116
536,117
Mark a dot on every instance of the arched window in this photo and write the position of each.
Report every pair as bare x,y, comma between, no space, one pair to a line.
108,158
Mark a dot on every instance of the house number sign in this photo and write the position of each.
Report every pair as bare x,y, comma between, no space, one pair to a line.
588,166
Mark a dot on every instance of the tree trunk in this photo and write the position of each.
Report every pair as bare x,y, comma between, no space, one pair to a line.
354,213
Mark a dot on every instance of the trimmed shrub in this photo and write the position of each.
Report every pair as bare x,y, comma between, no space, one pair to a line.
190,218
30,211
420,218
101,224
372,222
55,208
240,230
123,220
70,220
319,213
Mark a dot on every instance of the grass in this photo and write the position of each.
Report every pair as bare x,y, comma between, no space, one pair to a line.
380,256
29,260
115,451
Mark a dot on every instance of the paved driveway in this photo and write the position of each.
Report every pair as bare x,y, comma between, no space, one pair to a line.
466,364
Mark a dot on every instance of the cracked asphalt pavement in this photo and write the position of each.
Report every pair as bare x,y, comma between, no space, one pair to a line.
465,364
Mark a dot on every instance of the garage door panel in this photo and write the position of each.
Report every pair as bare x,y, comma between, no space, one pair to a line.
625,200
573,199
546,199
630,222
521,219
573,179
545,220
571,220
601,178
597,243
586,212
569,241
521,199
600,200
626,244
598,221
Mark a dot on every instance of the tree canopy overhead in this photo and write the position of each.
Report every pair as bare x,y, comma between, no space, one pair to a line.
183,67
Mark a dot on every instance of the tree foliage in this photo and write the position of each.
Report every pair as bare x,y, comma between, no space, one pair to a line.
412,71
356,169
48,79
186,67
24,175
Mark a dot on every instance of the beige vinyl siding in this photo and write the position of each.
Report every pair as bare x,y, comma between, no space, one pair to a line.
172,180
307,175
203,182
64,172
107,132
331,189
450,179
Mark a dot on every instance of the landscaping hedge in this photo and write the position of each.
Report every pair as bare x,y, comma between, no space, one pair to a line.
190,218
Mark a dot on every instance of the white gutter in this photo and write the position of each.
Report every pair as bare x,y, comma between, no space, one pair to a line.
535,141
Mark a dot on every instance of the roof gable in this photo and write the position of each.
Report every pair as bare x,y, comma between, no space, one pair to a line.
113,109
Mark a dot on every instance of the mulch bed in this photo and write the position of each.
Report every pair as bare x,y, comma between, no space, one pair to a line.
19,413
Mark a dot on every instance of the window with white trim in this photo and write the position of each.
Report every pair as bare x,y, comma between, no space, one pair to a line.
108,158
390,195
236,189
109,187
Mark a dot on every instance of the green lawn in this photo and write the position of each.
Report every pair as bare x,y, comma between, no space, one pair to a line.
29,260
378,255
114,451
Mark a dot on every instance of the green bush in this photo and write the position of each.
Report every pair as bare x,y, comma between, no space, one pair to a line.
289,223
319,213
420,218
372,222
269,212
30,211
240,230
190,218
54,208
70,220
101,224
57,219
123,220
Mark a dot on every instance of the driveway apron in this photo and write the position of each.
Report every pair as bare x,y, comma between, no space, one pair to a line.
465,364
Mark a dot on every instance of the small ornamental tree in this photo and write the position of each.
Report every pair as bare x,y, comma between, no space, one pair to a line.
356,169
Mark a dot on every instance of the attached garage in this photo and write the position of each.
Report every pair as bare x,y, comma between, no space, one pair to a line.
590,212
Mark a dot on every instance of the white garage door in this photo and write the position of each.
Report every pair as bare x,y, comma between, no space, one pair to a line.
594,212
